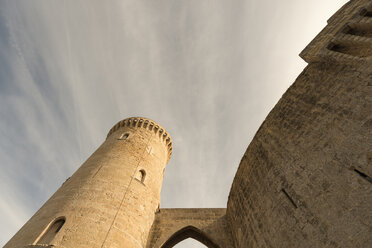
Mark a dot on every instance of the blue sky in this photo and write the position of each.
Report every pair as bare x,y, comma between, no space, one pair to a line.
208,71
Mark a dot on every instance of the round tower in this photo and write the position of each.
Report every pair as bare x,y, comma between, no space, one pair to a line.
111,200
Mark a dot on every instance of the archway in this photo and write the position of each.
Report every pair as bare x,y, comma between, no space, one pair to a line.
189,243
189,232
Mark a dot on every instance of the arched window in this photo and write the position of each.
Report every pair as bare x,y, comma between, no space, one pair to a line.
141,175
124,136
51,231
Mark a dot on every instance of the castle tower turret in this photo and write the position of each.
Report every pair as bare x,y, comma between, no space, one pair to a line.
111,200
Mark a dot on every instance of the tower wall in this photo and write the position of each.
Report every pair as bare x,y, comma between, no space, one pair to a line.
306,178
105,203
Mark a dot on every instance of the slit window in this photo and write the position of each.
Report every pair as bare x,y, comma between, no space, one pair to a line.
366,13
51,231
124,136
141,175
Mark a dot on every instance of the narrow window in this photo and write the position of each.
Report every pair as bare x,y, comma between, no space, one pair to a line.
363,30
366,13
124,136
141,176
51,231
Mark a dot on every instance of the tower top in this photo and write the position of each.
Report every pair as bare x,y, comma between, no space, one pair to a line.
141,122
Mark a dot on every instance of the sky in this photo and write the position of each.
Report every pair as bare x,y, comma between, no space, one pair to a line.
208,71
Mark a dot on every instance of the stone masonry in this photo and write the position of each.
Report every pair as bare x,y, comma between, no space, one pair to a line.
304,181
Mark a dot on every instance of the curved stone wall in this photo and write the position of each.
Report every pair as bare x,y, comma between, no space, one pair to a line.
305,179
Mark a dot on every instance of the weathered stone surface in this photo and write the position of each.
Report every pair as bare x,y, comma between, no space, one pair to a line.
305,179
299,182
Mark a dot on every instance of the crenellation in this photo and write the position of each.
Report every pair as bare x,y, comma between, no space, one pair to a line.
148,125
350,13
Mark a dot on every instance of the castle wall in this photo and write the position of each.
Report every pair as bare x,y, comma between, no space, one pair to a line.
347,39
306,178
208,225
104,203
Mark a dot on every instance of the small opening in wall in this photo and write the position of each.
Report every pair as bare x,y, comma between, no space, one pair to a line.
51,231
141,175
356,50
346,30
331,46
59,224
124,136
366,13
358,30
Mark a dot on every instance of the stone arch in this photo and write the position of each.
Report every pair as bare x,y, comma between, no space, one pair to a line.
50,232
209,226
189,232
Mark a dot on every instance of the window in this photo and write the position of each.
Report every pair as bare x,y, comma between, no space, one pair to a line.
362,29
141,174
51,231
366,12
124,136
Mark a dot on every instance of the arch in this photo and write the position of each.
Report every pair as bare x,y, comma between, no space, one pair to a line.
50,231
189,232
209,226
189,242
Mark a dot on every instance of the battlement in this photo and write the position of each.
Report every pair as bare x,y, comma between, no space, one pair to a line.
347,38
148,124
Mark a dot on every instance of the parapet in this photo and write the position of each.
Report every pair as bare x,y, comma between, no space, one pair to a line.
148,124
346,39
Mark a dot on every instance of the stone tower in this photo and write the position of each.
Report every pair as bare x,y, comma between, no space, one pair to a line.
111,200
